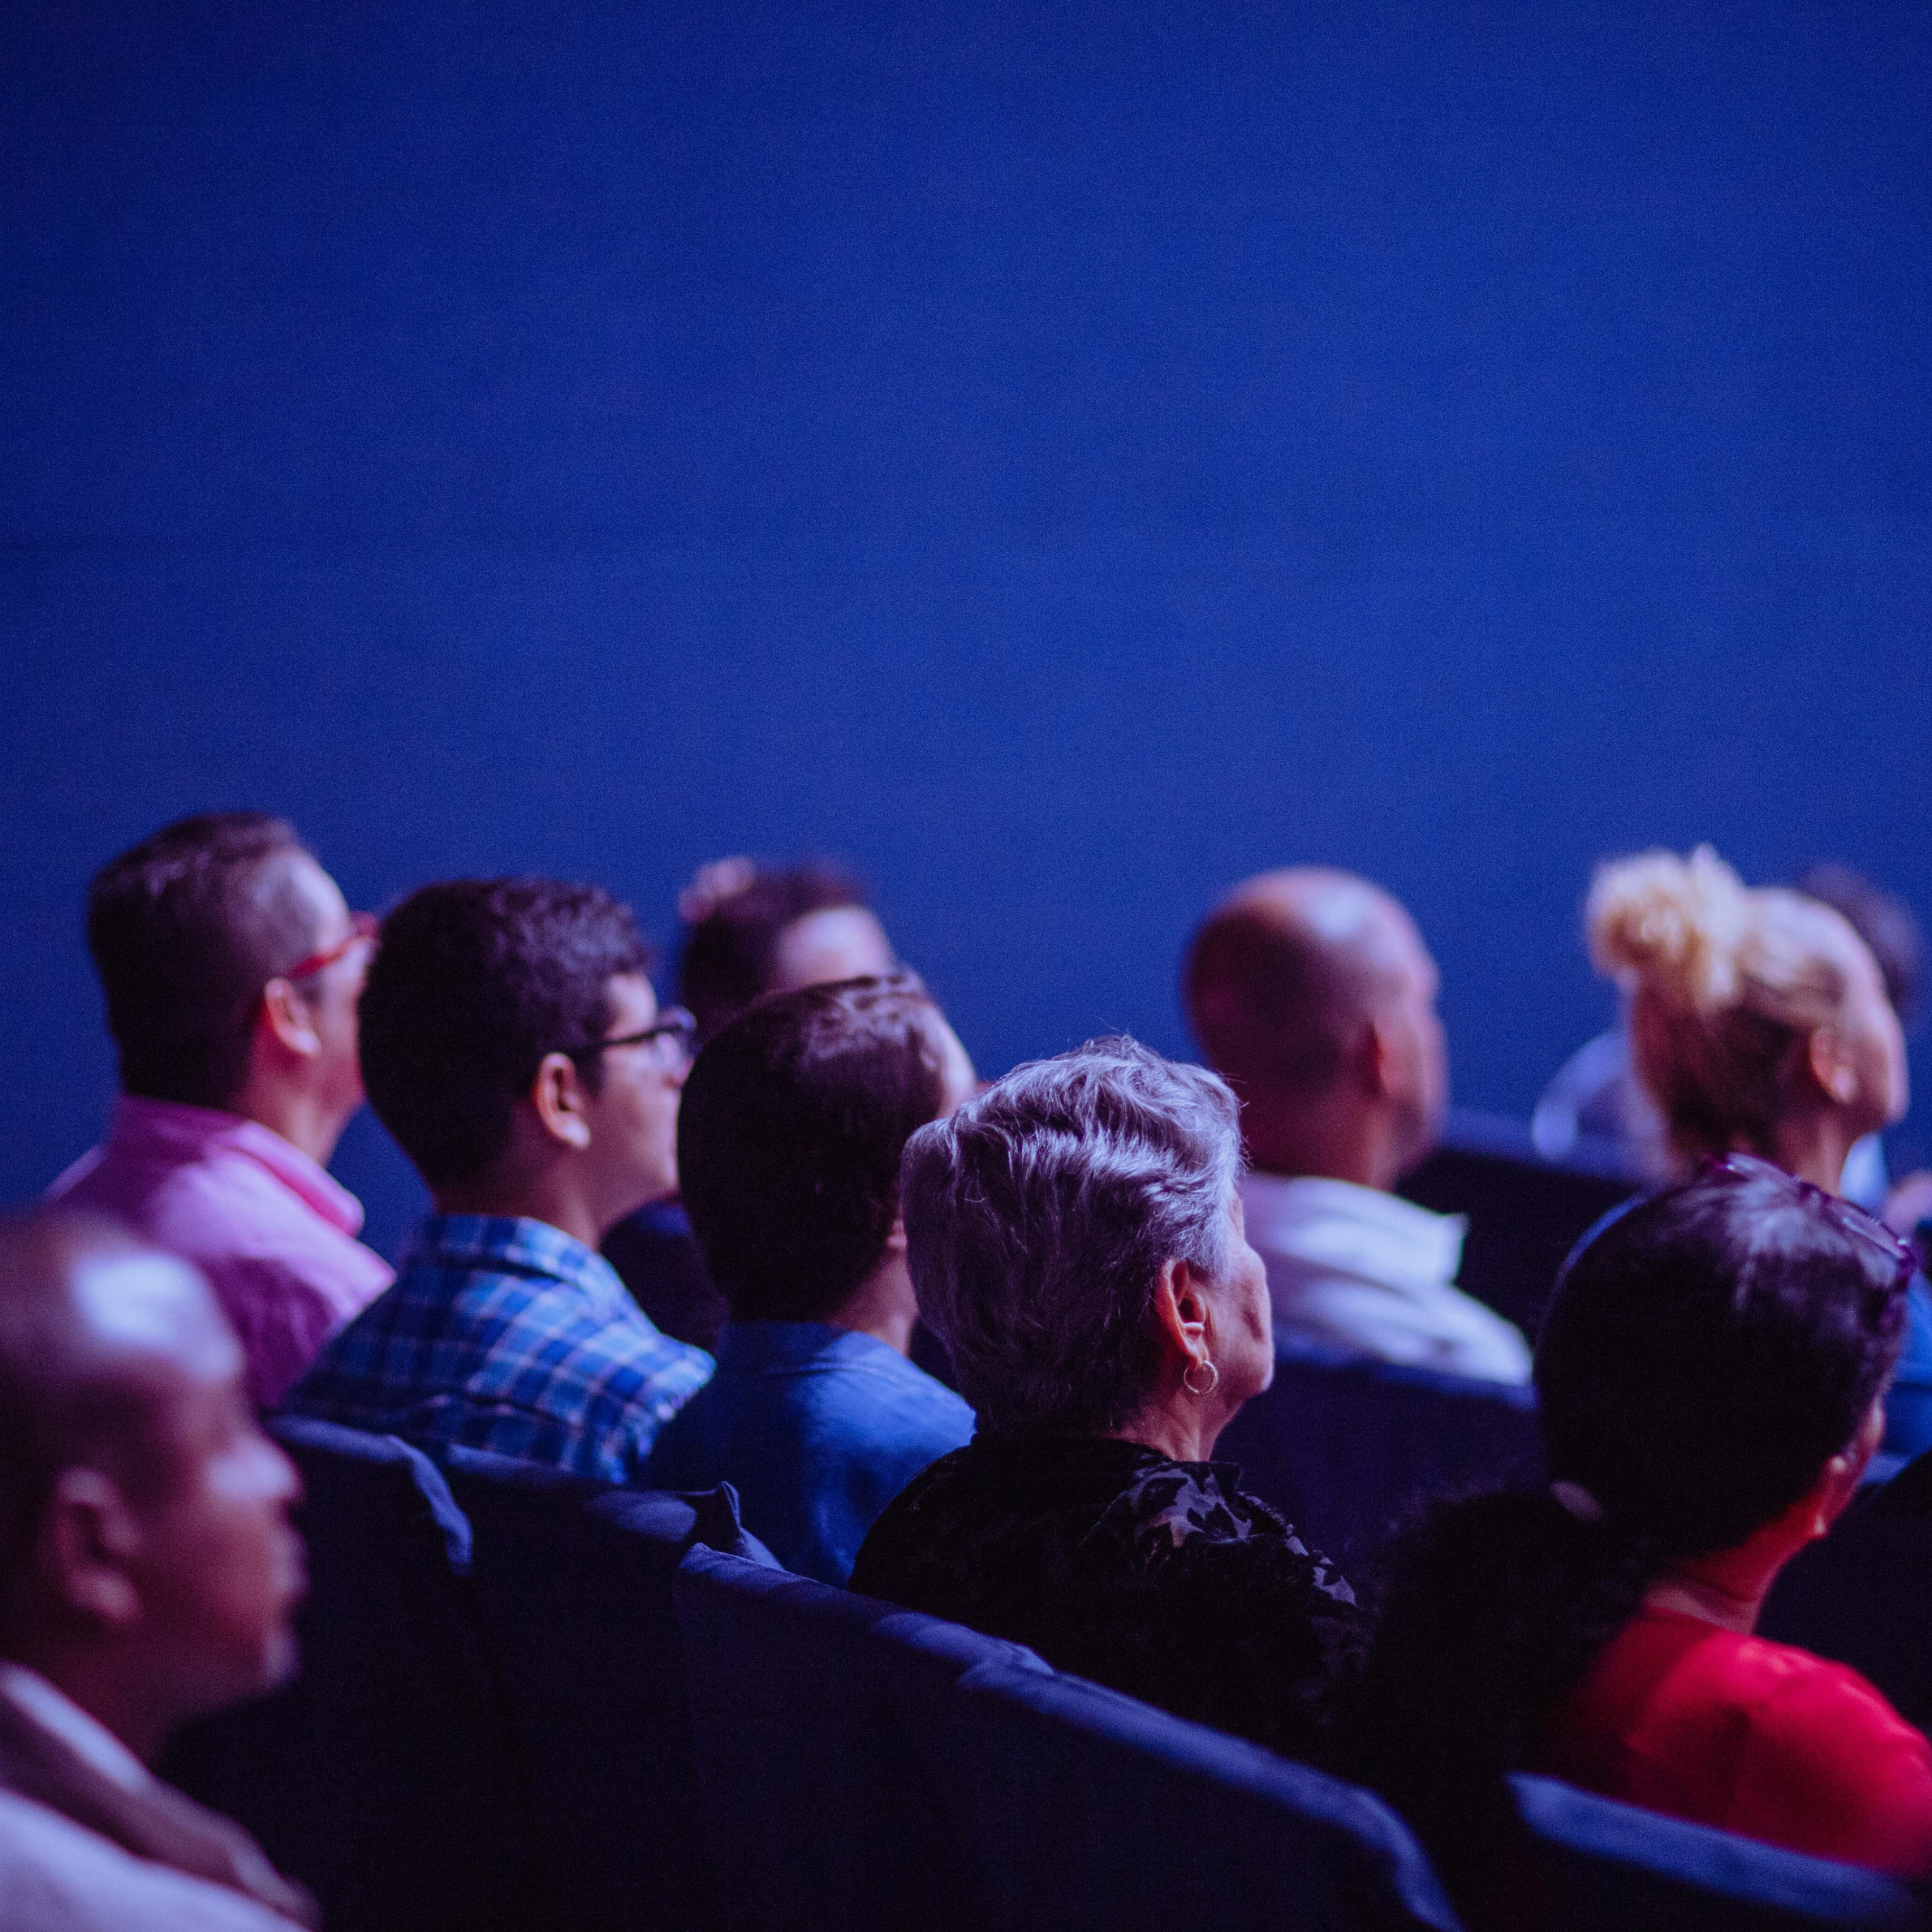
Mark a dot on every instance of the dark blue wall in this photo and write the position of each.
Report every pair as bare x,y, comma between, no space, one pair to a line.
1063,458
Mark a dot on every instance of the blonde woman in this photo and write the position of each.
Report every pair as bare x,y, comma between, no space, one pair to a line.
1759,1023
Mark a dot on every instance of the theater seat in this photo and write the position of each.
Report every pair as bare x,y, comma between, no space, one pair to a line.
1525,1212
573,1582
384,1778
1611,1866
1091,1810
835,1794
1863,1595
1344,1448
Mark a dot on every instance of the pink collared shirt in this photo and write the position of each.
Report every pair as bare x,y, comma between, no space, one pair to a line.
274,1233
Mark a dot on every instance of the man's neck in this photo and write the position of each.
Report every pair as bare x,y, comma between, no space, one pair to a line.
117,1699
550,1196
884,1306
1294,1137
301,1119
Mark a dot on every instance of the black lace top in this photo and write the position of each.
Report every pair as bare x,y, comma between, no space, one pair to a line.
1119,1563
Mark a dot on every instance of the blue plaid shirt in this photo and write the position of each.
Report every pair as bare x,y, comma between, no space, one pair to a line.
506,1335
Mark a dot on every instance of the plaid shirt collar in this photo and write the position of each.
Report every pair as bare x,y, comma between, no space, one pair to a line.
516,1245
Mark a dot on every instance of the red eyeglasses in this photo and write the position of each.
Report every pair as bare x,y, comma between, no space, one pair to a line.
362,929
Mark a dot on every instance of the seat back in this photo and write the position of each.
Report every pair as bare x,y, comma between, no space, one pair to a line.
825,1760
1090,1808
1863,1595
1525,1213
1345,1447
384,1778
1601,1864
572,1582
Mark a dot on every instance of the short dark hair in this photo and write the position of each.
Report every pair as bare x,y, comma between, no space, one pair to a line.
186,929
1707,1351
1713,1347
790,1133
731,947
474,981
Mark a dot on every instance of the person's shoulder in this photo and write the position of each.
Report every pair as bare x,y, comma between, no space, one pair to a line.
1191,1519
1786,1686
58,1876
1822,1722
946,1490
931,1529
1814,1744
895,1400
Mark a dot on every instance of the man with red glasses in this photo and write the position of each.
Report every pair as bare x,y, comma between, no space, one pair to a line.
231,967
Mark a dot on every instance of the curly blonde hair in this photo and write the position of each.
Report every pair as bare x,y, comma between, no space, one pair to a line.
1724,981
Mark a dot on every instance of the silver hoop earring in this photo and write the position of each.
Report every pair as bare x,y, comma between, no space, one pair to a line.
1187,1377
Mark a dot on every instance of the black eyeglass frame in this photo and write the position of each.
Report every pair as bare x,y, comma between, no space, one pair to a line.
674,1023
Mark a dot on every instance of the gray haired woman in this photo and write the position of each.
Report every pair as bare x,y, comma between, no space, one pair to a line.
1075,1235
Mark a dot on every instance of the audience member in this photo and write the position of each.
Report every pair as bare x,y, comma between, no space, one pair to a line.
1712,1375
1312,993
148,1576
231,967
513,1046
1596,1094
747,933
789,1139
1074,1235
1759,1023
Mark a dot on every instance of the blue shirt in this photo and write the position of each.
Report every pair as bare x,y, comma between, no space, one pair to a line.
506,1335
818,1428
1909,1402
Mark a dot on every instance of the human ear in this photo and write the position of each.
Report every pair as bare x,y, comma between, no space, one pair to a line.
1837,1481
1373,1059
88,1537
558,1095
895,1236
1180,1308
286,1015
1831,1066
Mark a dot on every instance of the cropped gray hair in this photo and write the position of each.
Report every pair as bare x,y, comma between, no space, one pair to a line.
1038,1218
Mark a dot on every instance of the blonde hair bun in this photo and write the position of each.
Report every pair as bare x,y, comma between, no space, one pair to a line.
1676,926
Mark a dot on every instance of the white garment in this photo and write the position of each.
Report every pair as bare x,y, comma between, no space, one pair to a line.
92,1841
56,1876
84,1735
1355,1268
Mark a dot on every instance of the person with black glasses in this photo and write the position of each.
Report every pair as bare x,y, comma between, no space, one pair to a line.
513,1045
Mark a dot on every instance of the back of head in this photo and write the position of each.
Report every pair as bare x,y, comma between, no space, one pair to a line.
1883,922
1281,974
1038,1218
186,929
1722,981
475,980
80,1301
736,916
790,1133
1708,1350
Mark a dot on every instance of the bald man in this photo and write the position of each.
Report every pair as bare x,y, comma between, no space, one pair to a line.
148,1573
1312,993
